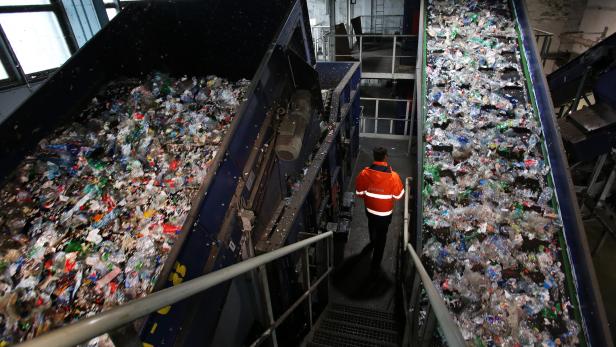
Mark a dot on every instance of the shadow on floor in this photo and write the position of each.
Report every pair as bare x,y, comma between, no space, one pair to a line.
354,278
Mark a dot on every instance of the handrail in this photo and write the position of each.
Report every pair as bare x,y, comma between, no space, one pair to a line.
396,71
376,117
88,328
407,187
450,329
382,15
543,32
374,35
383,99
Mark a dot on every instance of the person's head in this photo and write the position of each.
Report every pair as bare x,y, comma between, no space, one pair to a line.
379,153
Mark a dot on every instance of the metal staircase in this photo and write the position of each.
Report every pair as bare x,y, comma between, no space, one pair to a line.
343,325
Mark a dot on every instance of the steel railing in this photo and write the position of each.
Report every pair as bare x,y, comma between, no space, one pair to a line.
88,328
320,39
394,67
391,23
544,40
417,331
373,116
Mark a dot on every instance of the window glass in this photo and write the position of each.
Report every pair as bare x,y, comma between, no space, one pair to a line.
108,1
36,39
3,74
111,12
23,2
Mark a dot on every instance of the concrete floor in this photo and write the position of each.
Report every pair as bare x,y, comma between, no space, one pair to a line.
352,283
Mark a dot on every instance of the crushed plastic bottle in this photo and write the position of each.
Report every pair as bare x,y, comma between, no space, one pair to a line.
89,217
491,235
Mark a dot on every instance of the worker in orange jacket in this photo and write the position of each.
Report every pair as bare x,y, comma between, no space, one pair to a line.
379,186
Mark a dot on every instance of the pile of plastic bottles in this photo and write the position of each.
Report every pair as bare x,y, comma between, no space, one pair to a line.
88,219
491,231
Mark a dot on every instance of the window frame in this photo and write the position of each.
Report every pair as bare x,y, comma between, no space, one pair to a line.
9,63
7,56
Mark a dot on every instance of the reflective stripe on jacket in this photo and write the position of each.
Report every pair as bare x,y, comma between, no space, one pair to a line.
379,185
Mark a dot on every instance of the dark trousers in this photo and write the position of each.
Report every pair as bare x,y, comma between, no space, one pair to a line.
377,226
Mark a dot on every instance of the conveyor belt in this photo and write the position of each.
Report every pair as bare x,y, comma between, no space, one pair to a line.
501,228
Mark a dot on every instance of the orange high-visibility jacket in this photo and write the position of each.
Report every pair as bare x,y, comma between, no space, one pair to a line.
379,185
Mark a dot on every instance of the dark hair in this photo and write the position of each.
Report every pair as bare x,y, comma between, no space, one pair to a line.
379,153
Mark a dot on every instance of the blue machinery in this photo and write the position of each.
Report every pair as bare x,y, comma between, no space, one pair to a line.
588,132
180,38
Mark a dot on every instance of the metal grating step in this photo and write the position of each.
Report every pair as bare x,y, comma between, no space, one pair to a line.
351,326
312,344
365,312
343,340
383,324
360,331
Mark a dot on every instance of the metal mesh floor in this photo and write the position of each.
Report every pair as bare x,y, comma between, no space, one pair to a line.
360,331
352,326
363,312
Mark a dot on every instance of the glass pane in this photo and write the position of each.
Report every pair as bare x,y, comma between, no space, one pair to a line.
83,19
108,1
37,40
3,74
111,12
23,2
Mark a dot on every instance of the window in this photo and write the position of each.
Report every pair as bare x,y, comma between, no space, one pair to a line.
3,74
23,2
36,39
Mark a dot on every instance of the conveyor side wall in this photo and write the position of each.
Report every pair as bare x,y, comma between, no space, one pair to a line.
587,288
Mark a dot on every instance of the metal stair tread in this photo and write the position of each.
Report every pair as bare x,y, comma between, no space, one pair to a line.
314,344
360,320
339,339
363,311
359,331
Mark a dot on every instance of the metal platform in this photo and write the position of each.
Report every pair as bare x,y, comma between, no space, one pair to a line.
351,326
